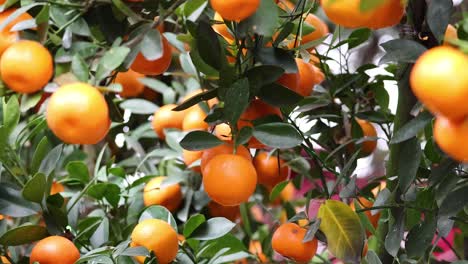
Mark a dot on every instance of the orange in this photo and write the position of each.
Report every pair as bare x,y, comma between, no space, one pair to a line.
318,77
54,250
364,203
292,81
57,187
388,14
287,194
26,66
164,118
320,30
439,80
270,169
154,67
195,119
131,86
452,137
230,212
235,10
7,37
77,113
368,130
5,260
222,29
255,247
190,157
223,132
229,179
256,110
287,241
168,196
304,80
227,148
450,34
156,236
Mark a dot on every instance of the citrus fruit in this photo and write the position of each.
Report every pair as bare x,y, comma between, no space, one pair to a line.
156,236
54,250
195,119
320,29
230,212
223,132
255,247
131,86
57,187
235,10
190,157
452,137
365,203
292,81
256,110
77,113
270,169
222,29
164,118
225,171
227,148
287,241
8,37
450,34
4,260
26,66
368,130
168,196
440,82
154,67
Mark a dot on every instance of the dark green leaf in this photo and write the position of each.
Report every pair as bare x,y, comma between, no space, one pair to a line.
454,202
244,135
263,74
111,60
412,128
192,224
438,17
204,96
236,100
278,135
277,190
13,204
77,170
358,37
35,188
420,237
23,235
213,228
395,235
402,50
264,22
199,140
41,151
211,54
80,68
279,96
410,157
277,57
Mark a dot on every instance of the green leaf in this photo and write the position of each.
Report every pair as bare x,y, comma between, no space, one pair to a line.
13,204
277,57
275,193
41,151
35,188
80,68
420,237
278,135
264,22
244,135
23,235
402,50
49,163
192,224
454,202
395,235
139,106
199,140
111,60
373,258
410,158
213,228
122,7
151,45
29,101
11,114
77,170
160,87
211,54
236,100
204,96
101,234
412,128
109,191
135,251
342,227
17,13
158,212
358,37
194,8
279,96
262,75
438,17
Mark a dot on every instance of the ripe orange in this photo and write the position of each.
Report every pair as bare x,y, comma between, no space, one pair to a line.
287,241
169,196
229,179
156,236
54,250
223,132
235,10
368,130
452,137
320,30
450,34
270,169
230,212
227,148
57,187
7,37
222,29
364,203
439,80
78,114
154,67
164,118
26,66
131,86
318,77
195,119
255,247
256,110
190,157
292,81
387,14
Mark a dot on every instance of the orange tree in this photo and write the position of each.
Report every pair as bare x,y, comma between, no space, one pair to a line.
230,131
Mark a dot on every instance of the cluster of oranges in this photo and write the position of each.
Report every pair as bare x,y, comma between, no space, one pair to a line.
440,82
